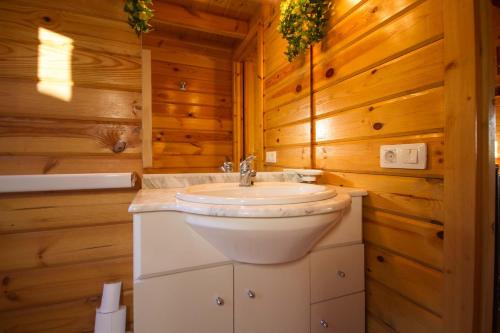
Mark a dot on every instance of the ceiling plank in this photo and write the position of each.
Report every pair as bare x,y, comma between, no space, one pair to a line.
176,15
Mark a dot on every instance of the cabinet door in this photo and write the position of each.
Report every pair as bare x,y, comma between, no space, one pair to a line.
341,315
272,298
337,272
198,301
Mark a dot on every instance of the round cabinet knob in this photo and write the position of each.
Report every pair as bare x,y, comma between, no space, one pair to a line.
323,323
251,293
341,274
219,301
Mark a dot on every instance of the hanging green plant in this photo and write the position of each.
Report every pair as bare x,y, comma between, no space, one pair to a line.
139,14
302,23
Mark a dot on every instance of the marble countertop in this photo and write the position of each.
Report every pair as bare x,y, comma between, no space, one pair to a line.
159,194
153,200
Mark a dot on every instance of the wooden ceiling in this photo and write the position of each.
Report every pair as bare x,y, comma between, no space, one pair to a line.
237,9
225,21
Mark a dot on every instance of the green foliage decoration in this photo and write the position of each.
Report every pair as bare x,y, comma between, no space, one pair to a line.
139,14
302,23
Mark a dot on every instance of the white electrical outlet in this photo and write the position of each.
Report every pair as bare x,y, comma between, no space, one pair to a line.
407,156
270,157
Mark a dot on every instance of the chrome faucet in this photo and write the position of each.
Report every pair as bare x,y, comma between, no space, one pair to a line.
227,167
246,172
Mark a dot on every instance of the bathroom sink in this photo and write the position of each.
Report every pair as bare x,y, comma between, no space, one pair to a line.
267,223
265,193
264,240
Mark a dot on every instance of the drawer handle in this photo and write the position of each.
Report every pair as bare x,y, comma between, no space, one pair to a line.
219,301
341,274
251,293
323,323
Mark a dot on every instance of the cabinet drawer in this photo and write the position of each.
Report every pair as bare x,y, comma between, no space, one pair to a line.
185,302
336,272
279,301
341,315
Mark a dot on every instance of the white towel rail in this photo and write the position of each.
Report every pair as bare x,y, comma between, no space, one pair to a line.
64,182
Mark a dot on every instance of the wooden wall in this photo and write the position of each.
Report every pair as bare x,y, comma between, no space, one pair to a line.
56,249
377,78
192,129
287,100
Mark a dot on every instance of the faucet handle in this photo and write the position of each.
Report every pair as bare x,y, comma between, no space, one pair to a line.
245,164
250,158
227,167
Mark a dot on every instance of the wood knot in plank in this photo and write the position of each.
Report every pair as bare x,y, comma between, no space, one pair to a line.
329,73
449,66
119,147
6,281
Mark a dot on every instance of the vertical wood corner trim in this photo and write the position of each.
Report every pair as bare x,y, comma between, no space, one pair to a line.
147,124
464,166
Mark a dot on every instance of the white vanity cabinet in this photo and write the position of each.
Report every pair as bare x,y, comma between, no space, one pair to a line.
198,301
272,298
183,284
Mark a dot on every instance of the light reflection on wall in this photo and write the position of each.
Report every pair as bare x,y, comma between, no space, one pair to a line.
322,130
54,65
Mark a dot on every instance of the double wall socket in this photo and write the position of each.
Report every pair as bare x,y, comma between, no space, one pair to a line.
406,156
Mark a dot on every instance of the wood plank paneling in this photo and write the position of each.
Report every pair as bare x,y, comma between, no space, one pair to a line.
87,68
21,99
166,135
199,148
73,316
51,285
415,113
53,210
64,246
192,123
399,313
191,111
70,81
374,325
192,19
289,113
377,79
291,157
87,32
363,156
396,37
412,196
416,282
179,55
57,136
19,165
413,238
192,129
289,135
413,71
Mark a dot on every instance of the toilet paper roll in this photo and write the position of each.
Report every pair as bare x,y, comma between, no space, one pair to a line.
113,322
110,297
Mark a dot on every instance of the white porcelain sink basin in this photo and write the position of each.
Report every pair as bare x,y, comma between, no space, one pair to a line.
263,240
267,223
265,193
